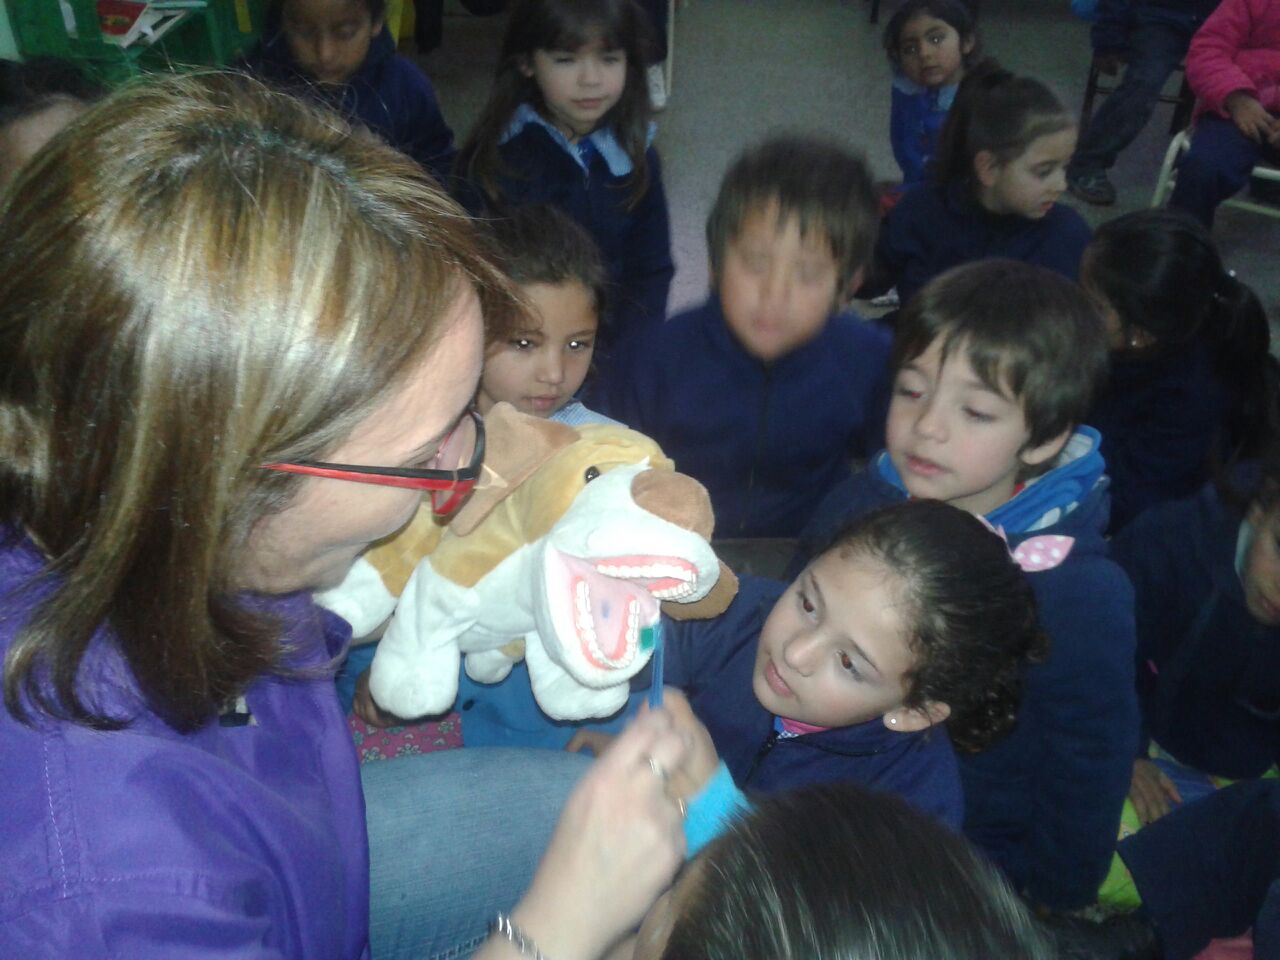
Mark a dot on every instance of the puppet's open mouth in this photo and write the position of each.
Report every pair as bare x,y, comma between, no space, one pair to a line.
609,601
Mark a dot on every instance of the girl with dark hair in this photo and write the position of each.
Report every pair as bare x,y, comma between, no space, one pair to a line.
805,876
1192,381
341,53
930,43
910,632
568,124
998,172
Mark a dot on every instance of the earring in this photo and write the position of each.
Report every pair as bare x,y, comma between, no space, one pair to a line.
893,721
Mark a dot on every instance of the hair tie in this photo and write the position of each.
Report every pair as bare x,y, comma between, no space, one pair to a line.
1035,553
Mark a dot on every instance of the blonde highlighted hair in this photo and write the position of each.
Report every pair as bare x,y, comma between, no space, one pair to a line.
197,277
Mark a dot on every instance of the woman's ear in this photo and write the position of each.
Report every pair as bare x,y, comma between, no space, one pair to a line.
986,168
845,296
378,24
913,719
524,63
967,44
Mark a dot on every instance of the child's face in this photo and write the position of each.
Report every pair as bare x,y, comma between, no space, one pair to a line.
931,52
1031,183
953,438
1261,574
579,86
539,370
329,38
777,287
834,650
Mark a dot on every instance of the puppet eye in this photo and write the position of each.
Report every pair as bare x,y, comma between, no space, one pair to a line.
590,474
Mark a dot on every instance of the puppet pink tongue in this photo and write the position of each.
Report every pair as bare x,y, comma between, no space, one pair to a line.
607,613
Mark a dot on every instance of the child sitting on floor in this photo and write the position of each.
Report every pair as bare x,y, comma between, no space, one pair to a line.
765,392
568,124
996,364
539,371
341,52
1192,381
804,876
997,175
930,44
911,631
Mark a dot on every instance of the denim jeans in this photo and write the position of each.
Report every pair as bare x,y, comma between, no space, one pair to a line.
1158,41
454,837
1216,167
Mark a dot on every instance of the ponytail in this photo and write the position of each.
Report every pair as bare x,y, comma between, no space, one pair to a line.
999,112
1241,338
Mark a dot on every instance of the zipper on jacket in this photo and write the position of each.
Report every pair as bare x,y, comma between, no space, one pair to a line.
763,752
761,431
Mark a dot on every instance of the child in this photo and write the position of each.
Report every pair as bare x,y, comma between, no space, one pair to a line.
914,624
804,876
1206,577
1150,37
1232,66
1192,381
538,370
998,173
996,364
541,368
567,123
930,43
37,99
340,52
764,392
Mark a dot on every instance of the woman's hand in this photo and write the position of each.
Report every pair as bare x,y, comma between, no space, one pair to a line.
1250,117
1153,794
617,846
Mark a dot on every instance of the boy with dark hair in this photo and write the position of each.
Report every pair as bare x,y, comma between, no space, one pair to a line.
996,363
765,392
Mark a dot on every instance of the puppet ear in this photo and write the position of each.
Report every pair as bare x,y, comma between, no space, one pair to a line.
516,445
712,605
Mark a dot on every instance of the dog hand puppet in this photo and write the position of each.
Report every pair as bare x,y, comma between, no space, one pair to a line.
562,555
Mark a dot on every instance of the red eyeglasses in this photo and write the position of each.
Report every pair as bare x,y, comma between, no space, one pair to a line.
445,488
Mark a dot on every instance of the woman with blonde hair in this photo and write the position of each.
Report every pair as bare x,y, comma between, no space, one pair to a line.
239,344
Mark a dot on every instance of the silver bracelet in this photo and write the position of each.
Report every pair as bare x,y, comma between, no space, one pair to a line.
503,927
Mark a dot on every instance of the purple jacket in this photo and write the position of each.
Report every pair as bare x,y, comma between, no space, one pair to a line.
236,840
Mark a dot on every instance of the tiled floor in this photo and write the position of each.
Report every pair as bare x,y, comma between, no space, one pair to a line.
746,67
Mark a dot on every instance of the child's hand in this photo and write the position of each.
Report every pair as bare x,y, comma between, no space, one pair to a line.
1250,117
701,760
1153,794
368,711
597,741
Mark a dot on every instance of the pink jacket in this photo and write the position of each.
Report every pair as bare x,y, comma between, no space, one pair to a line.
1237,48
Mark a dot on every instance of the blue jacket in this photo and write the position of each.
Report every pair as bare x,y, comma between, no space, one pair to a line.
591,182
767,440
1045,802
916,115
934,228
713,661
1162,418
388,94
1208,673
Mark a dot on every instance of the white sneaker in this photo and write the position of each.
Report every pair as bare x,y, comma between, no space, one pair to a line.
657,75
